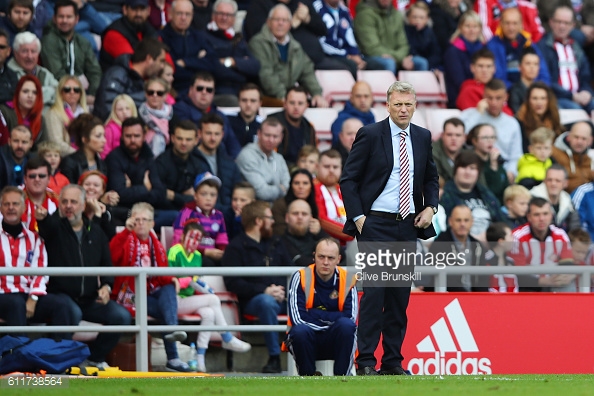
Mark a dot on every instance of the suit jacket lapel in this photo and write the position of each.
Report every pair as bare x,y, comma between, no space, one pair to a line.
417,150
387,142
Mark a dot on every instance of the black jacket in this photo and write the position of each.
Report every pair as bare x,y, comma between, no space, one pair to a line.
179,175
64,250
8,83
75,164
130,32
7,164
245,133
120,164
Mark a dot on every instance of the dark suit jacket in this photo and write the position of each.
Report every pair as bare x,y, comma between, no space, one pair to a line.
368,168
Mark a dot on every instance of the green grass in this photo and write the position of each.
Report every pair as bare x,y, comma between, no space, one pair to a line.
540,385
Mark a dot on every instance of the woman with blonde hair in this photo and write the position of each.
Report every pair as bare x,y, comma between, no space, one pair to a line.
71,101
123,107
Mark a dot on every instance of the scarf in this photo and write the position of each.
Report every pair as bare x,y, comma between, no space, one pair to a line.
334,205
228,34
159,140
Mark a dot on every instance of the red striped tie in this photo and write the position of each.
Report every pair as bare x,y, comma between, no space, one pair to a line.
404,178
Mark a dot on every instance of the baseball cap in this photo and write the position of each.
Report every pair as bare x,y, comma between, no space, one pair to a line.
201,178
136,3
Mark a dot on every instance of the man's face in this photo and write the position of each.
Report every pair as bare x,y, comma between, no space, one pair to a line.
65,19
295,105
495,101
181,15
224,16
361,97
460,222
562,23
4,50
143,223
137,16
466,176
329,171
267,223
183,141
326,258
37,180
453,138
530,66
279,24
27,56
580,137
511,23
269,138
20,144
555,182
154,67
71,205
132,139
12,208
249,103
20,17
349,132
483,70
201,94
211,136
540,218
401,107
298,217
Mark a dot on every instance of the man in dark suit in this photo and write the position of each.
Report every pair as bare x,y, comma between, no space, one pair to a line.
393,210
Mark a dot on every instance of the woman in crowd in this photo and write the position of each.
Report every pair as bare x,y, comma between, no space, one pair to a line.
301,187
156,114
98,201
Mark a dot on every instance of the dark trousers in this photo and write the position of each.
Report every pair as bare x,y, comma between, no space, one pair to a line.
337,343
162,305
383,309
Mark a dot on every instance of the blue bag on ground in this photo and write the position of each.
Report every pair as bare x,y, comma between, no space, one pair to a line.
31,356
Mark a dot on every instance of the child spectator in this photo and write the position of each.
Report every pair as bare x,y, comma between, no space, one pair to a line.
205,303
515,205
243,194
532,167
424,48
308,158
529,69
581,247
50,151
214,239
123,107
167,75
499,237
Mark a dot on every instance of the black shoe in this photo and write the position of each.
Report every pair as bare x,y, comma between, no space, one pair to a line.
367,371
273,366
393,371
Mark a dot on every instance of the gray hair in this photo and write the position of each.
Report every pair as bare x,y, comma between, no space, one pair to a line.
401,87
142,207
83,193
218,2
25,38
277,7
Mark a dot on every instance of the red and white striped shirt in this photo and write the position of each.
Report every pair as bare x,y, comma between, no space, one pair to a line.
50,203
568,67
26,250
528,250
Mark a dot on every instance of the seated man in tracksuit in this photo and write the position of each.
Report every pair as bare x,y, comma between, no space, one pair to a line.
323,308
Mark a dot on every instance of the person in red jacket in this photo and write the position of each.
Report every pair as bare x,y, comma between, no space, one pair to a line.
490,14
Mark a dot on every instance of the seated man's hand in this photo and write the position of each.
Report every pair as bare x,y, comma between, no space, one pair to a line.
215,254
103,295
319,101
30,306
278,292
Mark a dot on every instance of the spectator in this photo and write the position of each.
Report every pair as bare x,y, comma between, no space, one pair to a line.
243,194
231,51
99,202
156,114
14,156
26,62
466,40
261,296
25,298
246,123
529,68
70,103
123,107
515,205
581,244
138,246
127,75
508,44
301,187
109,10
492,14
533,166
424,48
358,106
565,216
67,231
309,159
167,75
346,137
582,31
448,146
571,151
445,15
199,102
583,201
50,152
567,63
90,139
262,166
18,18
202,14
66,53
538,242
538,110
499,236
159,13
215,160
36,189
302,233
490,111
374,21
179,165
323,326
283,60
482,67
8,78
